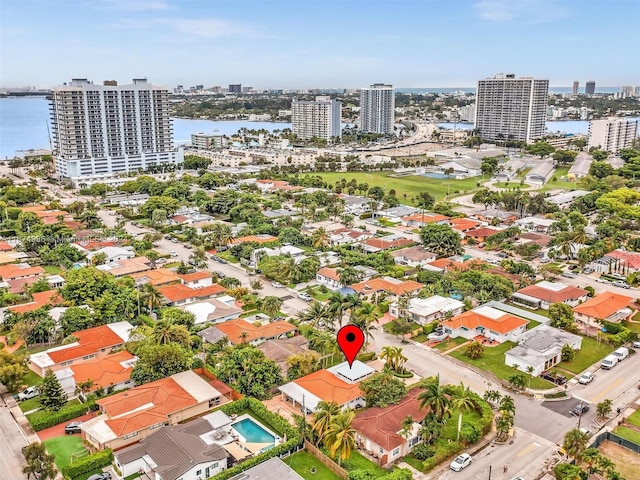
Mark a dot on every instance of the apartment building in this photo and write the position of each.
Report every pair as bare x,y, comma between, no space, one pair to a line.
377,104
319,118
612,135
106,130
511,108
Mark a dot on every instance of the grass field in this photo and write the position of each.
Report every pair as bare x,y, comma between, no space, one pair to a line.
52,269
410,186
628,433
511,185
450,343
62,447
627,461
634,418
589,354
32,379
303,462
560,181
30,404
492,360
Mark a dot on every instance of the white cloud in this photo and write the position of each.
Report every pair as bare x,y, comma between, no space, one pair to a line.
531,11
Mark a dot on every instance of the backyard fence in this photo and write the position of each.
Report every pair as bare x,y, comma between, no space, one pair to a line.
612,437
326,461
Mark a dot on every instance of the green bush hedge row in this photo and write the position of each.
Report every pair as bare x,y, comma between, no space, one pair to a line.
87,464
443,452
66,413
366,357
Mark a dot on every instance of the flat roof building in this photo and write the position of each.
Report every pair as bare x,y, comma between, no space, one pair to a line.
612,135
319,118
377,104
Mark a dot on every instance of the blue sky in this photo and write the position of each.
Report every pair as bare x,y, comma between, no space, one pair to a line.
318,43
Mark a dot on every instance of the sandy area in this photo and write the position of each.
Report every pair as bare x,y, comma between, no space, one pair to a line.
627,462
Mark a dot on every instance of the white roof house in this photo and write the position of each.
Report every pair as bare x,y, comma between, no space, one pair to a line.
427,310
564,200
541,172
534,223
113,254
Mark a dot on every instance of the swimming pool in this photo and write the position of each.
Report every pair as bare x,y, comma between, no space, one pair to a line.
253,432
435,175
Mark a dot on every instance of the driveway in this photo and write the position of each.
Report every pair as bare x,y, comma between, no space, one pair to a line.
58,430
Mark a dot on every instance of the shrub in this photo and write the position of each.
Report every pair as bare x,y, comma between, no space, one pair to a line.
65,413
87,464
423,452
366,357
443,452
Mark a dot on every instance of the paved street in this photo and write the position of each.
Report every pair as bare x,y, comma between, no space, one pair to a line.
11,443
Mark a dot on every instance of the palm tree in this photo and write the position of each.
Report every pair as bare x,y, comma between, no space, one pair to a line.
492,396
323,416
349,275
391,355
603,408
270,305
364,319
507,405
165,332
434,397
340,437
591,457
575,442
320,238
243,336
463,401
151,296
431,428
336,306
407,425
220,234
318,316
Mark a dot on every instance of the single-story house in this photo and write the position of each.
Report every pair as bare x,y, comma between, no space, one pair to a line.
379,430
196,279
294,252
373,245
127,199
480,234
214,310
415,256
20,270
564,200
535,224
463,225
113,254
211,335
421,219
355,205
427,310
40,299
541,348
329,277
533,237
339,384
395,214
606,306
180,294
619,259
543,294
486,322
110,372
490,214
347,236
389,285
540,173
240,330
127,266
580,167
130,416
157,277
281,349
272,469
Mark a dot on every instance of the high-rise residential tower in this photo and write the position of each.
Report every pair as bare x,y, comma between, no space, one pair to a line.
100,131
235,88
576,87
510,107
612,135
590,87
377,104
318,118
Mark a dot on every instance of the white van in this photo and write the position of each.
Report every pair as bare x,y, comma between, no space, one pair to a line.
609,362
621,353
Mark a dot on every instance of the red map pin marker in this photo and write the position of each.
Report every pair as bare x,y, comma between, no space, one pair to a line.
350,340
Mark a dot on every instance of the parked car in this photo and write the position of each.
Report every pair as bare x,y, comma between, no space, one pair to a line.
173,253
569,275
588,270
73,427
28,393
461,461
636,344
554,378
161,260
305,296
437,336
100,476
222,260
621,284
586,377
174,240
579,409
585,430
502,255
188,246
277,285
617,276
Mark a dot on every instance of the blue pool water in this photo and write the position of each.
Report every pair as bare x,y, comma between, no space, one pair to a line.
253,432
435,175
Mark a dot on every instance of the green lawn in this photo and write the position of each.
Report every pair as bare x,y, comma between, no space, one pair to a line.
532,324
450,343
409,186
52,269
511,185
318,295
62,447
590,353
31,379
628,433
560,181
634,418
29,405
358,462
302,463
492,360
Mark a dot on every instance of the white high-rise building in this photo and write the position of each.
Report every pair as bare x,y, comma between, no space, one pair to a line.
510,107
377,104
319,118
612,135
100,131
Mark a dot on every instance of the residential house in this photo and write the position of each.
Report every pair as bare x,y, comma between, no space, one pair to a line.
420,219
339,384
211,335
5,247
491,214
259,238
91,344
565,200
620,261
532,237
329,277
19,271
196,279
389,285
12,257
294,252
580,166
179,294
540,173
355,205
158,277
378,244
110,372
535,224
487,322
415,256
281,349
380,433
272,469
428,310
240,330
606,306
129,200
463,225
112,254
40,299
509,171
214,310
543,294
347,236
541,348
395,214
480,234
126,266
129,417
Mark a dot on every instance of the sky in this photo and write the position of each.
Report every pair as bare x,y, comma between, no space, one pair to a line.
318,43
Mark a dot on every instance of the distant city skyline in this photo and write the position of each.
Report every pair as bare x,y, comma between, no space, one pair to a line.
317,44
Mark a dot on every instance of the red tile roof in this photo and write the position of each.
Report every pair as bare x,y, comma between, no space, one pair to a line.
381,284
233,330
326,386
10,272
254,238
604,305
473,319
329,272
192,277
463,224
381,425
40,299
179,292
160,276
19,284
90,341
426,218
5,247
104,371
568,293
482,232
632,259
383,244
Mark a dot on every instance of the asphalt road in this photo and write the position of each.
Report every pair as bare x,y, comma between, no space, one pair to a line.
11,443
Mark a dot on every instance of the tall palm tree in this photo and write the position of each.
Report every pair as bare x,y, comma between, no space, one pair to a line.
407,425
575,442
318,316
337,306
165,332
320,238
462,400
322,417
340,437
349,275
220,234
493,397
151,296
507,405
434,397
270,305
388,353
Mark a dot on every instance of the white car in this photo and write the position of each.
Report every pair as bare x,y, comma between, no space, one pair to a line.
277,285
586,377
304,296
173,253
463,460
636,344
437,336
28,393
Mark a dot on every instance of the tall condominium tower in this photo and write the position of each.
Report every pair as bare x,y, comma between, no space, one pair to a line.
590,87
377,103
100,131
612,135
319,118
576,87
510,107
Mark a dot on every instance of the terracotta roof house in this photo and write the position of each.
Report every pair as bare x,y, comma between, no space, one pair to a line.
486,322
444,265
240,331
112,371
533,237
463,225
281,349
392,286
180,294
338,384
157,277
130,416
480,234
40,299
329,277
347,236
128,266
543,294
19,285
93,343
631,260
373,245
5,247
422,219
415,256
379,430
20,270
196,279
606,306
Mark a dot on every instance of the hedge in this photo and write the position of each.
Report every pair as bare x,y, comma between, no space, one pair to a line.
66,413
87,464
366,357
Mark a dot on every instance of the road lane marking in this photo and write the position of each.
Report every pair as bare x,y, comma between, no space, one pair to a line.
527,450
606,390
